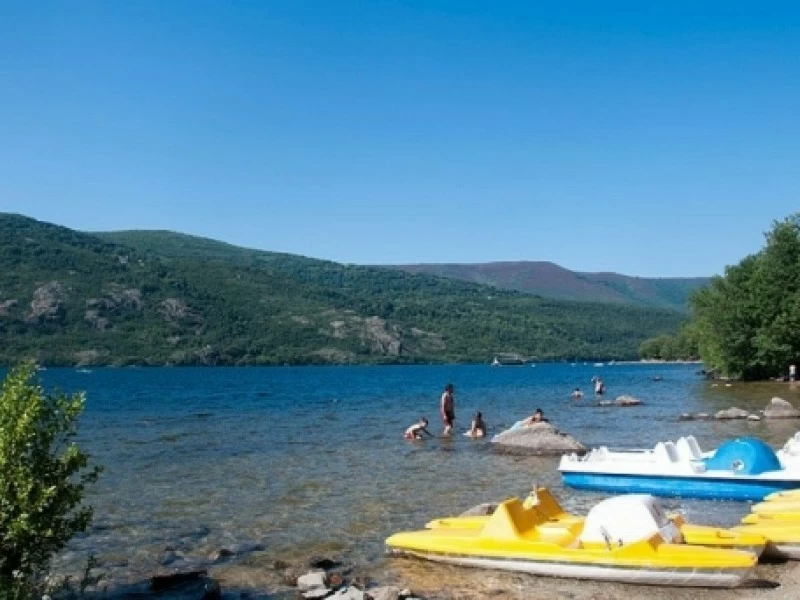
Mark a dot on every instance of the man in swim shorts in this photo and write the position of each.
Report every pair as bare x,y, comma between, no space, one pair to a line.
447,408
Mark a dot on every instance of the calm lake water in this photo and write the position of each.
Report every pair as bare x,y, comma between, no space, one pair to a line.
311,460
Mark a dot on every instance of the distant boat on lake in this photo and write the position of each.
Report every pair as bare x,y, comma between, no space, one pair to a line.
508,361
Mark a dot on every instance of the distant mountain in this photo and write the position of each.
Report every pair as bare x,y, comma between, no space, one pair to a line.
157,297
549,280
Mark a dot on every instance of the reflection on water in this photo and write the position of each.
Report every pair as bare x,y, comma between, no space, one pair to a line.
312,461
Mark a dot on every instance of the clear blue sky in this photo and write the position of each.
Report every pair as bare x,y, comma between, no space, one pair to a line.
648,138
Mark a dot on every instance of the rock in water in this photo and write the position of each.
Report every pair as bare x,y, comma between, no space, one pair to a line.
731,413
701,416
166,581
778,408
481,510
627,401
537,438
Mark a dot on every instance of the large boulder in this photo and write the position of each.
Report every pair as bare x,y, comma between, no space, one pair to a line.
537,438
731,413
778,408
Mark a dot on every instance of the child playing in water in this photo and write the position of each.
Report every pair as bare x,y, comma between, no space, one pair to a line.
478,427
417,429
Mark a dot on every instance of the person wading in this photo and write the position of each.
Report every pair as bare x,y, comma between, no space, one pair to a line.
448,408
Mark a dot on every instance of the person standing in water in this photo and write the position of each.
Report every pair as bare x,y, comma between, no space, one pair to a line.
447,408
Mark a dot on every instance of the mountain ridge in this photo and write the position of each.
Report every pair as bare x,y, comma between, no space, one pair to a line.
68,297
550,280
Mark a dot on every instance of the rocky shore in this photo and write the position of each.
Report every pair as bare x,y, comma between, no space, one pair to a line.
244,572
778,408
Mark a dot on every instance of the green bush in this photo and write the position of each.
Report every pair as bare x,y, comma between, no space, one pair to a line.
43,474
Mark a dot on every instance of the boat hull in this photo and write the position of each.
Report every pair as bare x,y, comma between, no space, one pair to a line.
722,578
716,488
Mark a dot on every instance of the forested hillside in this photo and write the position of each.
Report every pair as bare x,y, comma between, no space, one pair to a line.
746,324
552,281
68,297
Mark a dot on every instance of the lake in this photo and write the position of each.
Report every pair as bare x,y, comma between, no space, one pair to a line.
311,460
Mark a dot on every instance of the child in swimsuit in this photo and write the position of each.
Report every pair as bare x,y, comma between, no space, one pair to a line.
478,427
417,429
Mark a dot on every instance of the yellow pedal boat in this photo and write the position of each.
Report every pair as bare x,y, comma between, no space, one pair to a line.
694,535
783,536
784,495
772,507
625,538
784,518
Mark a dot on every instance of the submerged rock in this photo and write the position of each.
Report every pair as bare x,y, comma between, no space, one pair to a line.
778,408
166,581
701,416
537,438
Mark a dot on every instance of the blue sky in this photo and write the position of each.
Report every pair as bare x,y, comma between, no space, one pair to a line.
648,138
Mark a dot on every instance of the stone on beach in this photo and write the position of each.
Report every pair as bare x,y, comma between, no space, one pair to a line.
537,438
388,592
778,408
318,592
349,593
311,580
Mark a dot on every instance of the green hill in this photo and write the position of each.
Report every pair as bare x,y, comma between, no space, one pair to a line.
552,281
144,297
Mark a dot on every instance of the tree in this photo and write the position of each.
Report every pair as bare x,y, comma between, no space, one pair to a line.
748,322
43,474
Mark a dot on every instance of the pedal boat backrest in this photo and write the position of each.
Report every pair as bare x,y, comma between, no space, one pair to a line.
511,520
688,449
665,453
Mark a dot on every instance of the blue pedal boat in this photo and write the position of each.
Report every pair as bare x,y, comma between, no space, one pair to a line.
741,469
